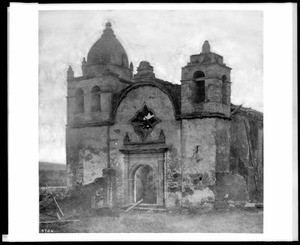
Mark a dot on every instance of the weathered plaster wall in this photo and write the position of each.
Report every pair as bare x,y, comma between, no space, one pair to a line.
207,160
199,156
160,103
87,153
228,186
246,154
189,106
107,84
217,96
222,139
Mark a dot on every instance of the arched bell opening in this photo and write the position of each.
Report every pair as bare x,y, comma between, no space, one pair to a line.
199,87
96,99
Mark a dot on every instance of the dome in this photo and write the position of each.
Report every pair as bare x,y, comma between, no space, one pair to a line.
107,49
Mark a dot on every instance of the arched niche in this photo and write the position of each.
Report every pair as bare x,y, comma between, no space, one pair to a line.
225,91
79,101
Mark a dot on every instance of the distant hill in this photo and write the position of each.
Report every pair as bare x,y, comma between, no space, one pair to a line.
51,166
52,174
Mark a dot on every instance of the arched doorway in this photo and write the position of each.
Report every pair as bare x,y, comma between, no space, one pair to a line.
144,174
145,185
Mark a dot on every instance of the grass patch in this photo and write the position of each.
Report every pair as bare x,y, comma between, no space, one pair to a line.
106,221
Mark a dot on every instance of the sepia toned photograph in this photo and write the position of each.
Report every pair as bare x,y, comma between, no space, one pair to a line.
151,121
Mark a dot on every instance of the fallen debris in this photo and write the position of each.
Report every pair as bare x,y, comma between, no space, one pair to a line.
250,205
59,215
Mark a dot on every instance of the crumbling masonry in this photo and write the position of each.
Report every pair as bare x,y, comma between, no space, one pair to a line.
171,145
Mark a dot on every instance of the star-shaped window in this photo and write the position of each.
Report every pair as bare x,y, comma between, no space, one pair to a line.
144,121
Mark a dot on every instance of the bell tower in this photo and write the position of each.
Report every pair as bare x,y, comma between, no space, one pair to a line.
206,86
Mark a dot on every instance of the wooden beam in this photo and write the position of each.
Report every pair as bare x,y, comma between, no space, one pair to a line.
57,221
134,205
58,216
55,201
236,110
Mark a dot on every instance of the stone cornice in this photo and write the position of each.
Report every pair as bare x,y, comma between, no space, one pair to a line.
90,124
204,78
202,115
194,55
140,148
206,64
88,77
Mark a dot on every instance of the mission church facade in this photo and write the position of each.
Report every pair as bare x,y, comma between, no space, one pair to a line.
165,144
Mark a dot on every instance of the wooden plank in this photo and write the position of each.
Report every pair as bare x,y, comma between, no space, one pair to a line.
236,109
134,205
45,198
58,216
57,221
55,201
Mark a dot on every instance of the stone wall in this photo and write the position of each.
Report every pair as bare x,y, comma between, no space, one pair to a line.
108,84
199,156
190,106
161,105
206,159
246,151
87,153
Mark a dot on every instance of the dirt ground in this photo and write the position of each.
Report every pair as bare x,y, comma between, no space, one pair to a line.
135,221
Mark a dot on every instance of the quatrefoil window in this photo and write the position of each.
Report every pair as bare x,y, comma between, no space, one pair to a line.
144,121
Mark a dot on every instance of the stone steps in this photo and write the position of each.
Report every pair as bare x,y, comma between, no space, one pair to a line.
143,208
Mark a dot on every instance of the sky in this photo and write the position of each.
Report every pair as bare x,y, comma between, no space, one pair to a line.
165,38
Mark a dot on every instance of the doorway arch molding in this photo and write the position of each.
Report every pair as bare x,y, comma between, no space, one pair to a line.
153,156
